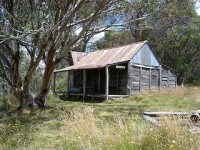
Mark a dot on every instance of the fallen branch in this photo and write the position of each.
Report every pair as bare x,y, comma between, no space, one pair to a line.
151,120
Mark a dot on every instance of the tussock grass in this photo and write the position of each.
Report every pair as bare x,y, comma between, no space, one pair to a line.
169,136
115,124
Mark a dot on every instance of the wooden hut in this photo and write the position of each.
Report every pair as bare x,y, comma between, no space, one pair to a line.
117,72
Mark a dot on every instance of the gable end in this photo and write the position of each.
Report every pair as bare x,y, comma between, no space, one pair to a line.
145,56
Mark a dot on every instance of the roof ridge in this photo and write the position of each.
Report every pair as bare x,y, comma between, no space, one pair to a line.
76,52
119,46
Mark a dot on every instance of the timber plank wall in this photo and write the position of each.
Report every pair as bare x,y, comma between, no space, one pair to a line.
142,78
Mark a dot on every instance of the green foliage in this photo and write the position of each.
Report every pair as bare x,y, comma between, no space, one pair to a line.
5,105
114,39
61,82
175,38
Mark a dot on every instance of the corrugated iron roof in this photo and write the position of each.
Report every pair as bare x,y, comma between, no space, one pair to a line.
104,57
77,56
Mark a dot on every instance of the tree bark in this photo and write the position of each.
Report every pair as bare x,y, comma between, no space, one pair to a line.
16,79
50,66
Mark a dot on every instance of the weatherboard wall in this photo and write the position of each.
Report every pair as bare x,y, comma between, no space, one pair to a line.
146,78
146,73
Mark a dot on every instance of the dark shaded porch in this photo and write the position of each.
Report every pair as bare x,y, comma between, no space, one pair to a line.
107,82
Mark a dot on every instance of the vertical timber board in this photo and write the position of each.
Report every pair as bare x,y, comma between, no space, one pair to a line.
172,79
160,77
175,80
150,79
168,74
145,78
107,82
68,83
122,81
99,81
165,77
54,83
84,84
129,80
155,78
71,78
140,83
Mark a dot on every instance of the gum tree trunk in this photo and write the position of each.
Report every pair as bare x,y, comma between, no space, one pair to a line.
50,66
22,89
22,93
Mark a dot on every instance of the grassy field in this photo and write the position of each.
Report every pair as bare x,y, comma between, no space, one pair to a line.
114,124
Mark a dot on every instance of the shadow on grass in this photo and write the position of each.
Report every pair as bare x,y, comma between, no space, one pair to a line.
32,117
80,99
17,129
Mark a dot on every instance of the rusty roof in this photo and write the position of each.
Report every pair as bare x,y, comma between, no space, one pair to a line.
77,56
104,57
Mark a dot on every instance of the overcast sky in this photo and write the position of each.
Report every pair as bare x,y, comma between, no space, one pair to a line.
198,11
198,7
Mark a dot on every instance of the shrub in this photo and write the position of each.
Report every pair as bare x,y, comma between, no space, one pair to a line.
5,104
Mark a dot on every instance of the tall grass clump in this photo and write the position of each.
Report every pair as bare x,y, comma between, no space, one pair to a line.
85,130
169,136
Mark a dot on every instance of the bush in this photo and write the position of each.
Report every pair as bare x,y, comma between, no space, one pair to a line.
5,104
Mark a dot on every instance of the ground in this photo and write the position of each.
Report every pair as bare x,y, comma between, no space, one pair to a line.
113,124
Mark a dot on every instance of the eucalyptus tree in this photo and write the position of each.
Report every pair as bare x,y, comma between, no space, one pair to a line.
171,27
44,30
114,39
175,37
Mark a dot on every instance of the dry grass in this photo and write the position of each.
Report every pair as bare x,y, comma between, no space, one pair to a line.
170,136
84,130
115,124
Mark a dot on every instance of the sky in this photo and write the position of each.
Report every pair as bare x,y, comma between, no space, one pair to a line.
198,11
198,7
